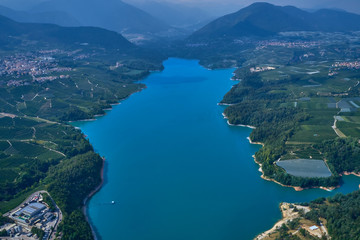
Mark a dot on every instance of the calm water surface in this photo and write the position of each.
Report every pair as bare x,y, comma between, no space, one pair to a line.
176,170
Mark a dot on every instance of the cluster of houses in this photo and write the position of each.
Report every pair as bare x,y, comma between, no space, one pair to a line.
287,44
22,69
343,65
33,213
261,69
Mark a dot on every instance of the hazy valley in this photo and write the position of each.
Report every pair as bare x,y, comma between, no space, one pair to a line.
296,83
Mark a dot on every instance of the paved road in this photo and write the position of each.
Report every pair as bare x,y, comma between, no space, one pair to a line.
25,201
58,221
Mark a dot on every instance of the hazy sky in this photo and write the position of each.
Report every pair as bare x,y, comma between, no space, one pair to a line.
234,5
219,7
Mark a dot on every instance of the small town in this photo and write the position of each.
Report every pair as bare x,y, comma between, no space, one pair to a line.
22,69
343,66
261,69
347,65
36,218
286,44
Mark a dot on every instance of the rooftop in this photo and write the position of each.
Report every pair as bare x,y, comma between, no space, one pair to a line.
31,208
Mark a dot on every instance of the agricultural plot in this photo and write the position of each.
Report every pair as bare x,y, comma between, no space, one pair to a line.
352,119
313,134
89,89
24,162
267,56
16,133
319,126
349,123
315,103
14,162
312,87
349,128
303,151
7,175
26,141
319,95
305,168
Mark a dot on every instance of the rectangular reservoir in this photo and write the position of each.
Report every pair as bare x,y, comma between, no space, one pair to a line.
305,167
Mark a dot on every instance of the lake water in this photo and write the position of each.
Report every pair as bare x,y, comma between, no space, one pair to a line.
176,170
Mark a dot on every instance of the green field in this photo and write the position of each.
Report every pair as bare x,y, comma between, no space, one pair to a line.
313,133
349,128
297,150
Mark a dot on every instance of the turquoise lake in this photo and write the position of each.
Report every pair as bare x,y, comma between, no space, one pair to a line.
176,170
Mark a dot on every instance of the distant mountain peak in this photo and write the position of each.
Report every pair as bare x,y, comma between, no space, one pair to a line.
66,36
264,19
114,15
54,17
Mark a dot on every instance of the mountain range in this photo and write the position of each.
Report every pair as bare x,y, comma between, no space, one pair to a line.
176,14
12,31
258,19
113,15
55,17
264,19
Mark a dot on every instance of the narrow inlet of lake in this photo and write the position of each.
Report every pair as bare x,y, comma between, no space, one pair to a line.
176,170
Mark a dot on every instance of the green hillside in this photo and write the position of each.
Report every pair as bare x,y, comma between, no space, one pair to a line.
264,19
